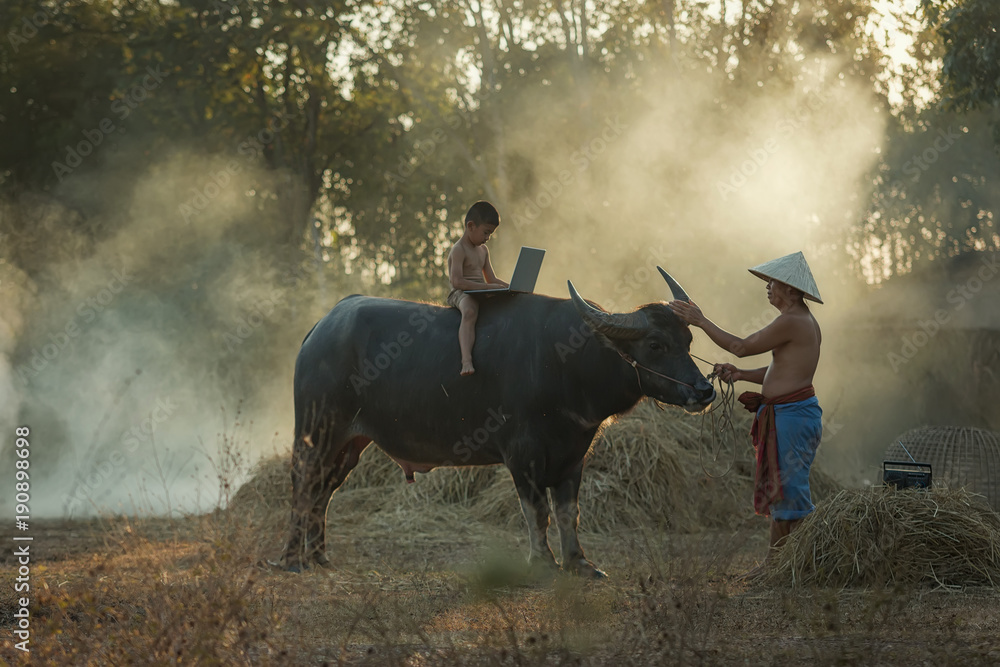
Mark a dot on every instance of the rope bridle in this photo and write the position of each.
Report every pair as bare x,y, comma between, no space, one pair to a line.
720,424
636,365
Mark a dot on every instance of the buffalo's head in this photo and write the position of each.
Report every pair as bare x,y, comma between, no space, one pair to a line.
659,344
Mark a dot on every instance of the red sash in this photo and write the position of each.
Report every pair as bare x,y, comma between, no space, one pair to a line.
767,485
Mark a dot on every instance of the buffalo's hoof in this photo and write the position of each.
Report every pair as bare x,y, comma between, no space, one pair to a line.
584,568
297,565
294,567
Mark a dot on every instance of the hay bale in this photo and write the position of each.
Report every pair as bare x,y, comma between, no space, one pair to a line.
642,472
374,469
455,486
498,504
265,499
882,536
645,470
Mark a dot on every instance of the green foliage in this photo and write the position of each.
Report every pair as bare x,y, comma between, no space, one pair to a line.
393,116
971,63
934,188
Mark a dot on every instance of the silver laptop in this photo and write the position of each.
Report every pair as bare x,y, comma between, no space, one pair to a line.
529,262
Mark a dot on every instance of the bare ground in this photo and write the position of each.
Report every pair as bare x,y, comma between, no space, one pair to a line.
199,590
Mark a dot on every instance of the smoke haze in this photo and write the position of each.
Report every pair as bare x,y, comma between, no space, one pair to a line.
142,346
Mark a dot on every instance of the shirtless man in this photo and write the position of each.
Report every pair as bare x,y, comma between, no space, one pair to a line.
469,269
787,426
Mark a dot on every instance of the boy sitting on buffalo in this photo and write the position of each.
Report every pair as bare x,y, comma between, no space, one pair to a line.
469,269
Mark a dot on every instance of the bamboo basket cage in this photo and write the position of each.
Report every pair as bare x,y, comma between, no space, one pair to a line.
960,457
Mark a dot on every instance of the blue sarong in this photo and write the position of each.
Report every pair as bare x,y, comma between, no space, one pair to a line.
799,429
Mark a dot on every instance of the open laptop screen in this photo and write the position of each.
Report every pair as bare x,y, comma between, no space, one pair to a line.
529,263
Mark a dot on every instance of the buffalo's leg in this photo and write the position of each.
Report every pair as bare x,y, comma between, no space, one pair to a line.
318,469
535,507
566,495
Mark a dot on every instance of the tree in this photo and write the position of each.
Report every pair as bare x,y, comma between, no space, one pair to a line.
934,193
970,32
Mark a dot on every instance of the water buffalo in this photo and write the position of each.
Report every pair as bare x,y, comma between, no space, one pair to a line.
549,373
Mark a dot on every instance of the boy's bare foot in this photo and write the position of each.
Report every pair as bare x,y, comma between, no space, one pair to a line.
467,368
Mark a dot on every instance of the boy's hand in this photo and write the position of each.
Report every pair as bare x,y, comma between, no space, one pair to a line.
688,311
728,372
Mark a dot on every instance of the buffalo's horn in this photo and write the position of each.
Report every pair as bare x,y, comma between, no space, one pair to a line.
612,325
675,287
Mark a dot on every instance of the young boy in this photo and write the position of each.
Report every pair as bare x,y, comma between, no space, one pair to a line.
469,269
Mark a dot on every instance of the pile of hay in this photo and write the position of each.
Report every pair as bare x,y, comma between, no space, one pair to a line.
644,471
882,536
656,469
264,501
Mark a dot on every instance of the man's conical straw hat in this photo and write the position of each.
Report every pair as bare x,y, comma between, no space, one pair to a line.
791,270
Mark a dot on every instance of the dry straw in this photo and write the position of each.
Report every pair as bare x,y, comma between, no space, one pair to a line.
644,471
882,537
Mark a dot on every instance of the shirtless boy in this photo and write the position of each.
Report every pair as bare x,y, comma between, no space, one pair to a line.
469,269
787,427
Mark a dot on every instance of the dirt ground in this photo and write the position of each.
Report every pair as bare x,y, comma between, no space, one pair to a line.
112,591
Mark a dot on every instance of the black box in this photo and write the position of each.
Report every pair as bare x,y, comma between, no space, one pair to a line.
906,475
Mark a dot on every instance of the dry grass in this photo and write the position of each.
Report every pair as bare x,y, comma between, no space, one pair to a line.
882,537
187,591
649,470
159,592
415,582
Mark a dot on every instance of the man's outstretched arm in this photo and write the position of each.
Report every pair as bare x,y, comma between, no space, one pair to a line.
765,340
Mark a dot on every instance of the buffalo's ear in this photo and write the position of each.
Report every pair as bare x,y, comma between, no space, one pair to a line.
675,287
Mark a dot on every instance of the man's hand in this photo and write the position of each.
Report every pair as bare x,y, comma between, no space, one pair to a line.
688,311
728,372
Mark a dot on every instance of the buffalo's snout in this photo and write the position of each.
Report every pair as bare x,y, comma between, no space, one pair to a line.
702,396
705,391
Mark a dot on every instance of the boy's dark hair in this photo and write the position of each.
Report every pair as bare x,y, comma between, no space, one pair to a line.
483,213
